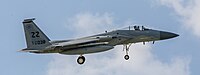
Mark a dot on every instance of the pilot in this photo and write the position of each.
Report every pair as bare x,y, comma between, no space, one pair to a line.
137,27
143,28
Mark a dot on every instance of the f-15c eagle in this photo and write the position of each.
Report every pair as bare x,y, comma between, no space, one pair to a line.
38,42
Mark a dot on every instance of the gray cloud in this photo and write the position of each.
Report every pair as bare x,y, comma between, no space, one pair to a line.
142,60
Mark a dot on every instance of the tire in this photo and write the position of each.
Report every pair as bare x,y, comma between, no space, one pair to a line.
126,57
81,60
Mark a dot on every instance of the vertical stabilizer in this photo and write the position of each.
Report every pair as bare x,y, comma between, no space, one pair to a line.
35,38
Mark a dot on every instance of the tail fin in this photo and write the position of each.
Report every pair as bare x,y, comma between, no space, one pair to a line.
35,38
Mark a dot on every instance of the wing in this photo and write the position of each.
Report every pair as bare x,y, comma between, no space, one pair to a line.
79,43
90,41
76,42
86,40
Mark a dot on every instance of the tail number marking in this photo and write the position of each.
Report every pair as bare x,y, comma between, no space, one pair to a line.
38,42
35,34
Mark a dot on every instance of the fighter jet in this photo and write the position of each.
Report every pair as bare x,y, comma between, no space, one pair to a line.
38,42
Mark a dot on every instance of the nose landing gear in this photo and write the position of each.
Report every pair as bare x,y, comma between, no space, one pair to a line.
126,47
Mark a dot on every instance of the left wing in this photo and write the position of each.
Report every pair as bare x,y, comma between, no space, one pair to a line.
83,42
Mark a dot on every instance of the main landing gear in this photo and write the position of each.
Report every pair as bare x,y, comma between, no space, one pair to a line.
81,60
126,48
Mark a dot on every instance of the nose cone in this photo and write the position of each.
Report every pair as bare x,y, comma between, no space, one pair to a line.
167,35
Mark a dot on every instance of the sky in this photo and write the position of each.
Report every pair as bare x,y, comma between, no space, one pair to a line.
69,19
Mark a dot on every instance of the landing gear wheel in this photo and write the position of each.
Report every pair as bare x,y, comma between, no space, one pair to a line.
126,47
81,60
126,57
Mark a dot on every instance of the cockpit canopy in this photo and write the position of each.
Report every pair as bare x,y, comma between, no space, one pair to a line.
135,27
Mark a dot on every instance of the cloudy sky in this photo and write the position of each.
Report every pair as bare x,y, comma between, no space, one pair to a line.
67,19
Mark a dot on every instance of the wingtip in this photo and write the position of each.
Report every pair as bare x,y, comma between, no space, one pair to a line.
21,50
